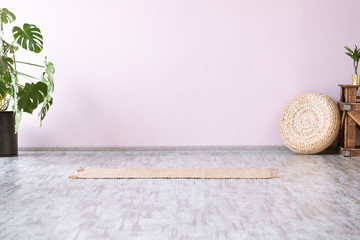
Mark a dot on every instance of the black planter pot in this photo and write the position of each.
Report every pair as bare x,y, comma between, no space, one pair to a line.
8,138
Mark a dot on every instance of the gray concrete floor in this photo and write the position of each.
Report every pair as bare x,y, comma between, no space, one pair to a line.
316,197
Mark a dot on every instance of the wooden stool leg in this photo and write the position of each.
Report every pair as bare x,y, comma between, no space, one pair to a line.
340,142
350,132
350,125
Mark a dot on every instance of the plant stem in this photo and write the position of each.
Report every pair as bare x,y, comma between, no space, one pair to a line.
31,64
355,66
1,10
26,75
14,63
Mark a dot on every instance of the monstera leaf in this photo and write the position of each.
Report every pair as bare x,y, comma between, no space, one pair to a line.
5,65
6,16
14,94
48,79
10,48
31,96
3,89
29,38
45,108
48,75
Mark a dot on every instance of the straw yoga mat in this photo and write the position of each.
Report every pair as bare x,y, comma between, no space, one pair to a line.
195,173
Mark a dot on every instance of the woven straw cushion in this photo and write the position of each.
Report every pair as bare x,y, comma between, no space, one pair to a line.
310,123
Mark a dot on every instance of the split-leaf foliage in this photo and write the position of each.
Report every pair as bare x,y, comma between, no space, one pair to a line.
19,90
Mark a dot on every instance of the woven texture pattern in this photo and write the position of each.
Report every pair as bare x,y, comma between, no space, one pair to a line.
195,173
310,123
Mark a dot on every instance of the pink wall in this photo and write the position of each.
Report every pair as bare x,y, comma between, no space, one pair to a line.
185,72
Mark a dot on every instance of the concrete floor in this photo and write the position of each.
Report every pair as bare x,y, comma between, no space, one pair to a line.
316,197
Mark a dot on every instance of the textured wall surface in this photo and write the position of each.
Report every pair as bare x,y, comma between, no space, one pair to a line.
187,72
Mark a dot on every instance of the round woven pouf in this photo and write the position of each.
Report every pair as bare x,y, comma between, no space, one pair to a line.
310,123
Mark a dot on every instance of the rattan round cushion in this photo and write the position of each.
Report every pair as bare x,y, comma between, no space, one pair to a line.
310,123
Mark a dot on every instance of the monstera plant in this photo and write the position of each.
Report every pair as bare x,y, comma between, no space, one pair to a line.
19,91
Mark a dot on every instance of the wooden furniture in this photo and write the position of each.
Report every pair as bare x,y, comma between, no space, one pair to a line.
350,118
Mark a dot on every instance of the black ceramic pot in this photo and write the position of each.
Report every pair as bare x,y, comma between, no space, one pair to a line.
8,138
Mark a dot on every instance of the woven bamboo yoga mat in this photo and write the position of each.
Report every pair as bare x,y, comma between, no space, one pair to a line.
169,173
